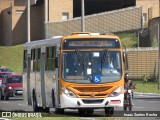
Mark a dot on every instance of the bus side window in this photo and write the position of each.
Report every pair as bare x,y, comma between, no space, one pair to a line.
36,61
50,55
25,61
32,59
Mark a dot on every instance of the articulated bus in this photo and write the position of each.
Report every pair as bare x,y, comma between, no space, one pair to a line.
83,71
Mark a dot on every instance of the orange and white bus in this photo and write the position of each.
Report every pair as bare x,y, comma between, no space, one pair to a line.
82,71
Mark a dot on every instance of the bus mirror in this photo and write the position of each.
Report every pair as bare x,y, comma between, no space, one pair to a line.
56,62
125,60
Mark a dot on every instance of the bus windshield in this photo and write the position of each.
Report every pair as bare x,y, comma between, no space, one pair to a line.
92,66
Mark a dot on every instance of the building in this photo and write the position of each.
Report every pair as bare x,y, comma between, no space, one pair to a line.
13,15
13,18
151,9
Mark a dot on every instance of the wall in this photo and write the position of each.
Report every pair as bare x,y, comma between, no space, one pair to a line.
153,30
7,26
56,7
19,25
149,3
107,22
4,4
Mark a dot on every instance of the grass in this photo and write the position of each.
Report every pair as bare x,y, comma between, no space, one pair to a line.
146,87
128,39
11,57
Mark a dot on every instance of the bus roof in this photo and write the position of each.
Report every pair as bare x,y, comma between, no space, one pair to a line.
53,41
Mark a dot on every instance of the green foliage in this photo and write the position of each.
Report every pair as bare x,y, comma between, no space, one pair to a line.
128,39
11,57
148,87
155,42
145,79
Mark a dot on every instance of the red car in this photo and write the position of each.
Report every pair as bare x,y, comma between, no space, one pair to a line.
11,85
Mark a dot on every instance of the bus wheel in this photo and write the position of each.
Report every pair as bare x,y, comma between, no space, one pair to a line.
46,110
35,106
89,111
53,98
59,110
81,112
109,111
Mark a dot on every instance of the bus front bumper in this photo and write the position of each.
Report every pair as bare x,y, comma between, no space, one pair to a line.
68,102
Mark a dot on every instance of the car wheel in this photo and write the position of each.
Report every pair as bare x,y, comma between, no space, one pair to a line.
6,97
1,96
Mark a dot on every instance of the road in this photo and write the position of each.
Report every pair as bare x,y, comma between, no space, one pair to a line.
141,103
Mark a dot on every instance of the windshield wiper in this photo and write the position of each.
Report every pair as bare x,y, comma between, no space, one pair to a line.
80,58
103,60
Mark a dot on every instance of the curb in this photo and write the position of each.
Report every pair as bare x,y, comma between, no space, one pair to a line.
149,94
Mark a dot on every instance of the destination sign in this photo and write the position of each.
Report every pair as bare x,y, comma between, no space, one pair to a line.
91,43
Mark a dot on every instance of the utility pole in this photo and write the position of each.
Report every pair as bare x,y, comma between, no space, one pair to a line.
46,19
82,16
159,55
46,10
28,22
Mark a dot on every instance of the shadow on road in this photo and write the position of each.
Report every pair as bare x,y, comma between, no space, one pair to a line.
17,98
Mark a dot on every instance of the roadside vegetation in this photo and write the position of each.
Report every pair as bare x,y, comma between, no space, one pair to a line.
128,39
11,57
146,87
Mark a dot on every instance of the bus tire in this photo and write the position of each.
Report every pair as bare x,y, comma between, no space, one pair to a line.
59,110
90,111
81,111
53,98
109,111
46,110
35,106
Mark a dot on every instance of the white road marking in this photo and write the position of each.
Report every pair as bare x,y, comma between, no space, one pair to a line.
22,105
138,107
154,101
4,102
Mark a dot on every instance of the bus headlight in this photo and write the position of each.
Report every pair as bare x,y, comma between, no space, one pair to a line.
116,92
68,92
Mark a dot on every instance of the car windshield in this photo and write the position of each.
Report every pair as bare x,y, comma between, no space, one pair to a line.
92,66
5,70
4,75
14,79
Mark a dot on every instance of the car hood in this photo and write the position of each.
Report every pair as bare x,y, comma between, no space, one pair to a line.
15,85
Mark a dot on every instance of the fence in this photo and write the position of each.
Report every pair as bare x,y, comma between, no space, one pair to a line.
107,22
142,62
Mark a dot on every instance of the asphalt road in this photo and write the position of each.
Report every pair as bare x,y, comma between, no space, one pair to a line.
141,103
